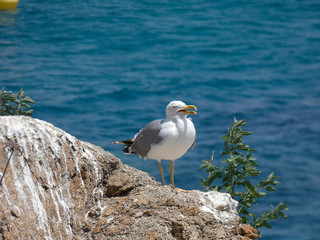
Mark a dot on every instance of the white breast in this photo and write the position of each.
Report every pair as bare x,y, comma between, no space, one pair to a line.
178,136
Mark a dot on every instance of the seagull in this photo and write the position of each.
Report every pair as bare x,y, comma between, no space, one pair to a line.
165,139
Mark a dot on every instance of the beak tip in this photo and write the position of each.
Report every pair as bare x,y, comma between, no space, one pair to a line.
188,107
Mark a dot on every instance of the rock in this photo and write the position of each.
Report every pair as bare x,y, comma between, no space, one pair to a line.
247,232
57,187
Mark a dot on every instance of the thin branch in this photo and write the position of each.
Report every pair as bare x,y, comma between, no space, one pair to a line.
4,172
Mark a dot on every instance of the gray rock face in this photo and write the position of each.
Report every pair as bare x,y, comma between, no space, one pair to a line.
57,187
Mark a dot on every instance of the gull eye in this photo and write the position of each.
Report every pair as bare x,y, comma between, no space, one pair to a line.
174,106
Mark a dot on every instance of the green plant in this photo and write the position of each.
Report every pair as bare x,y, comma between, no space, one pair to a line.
15,104
235,175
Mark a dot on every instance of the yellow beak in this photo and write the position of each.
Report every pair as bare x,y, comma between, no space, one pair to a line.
188,107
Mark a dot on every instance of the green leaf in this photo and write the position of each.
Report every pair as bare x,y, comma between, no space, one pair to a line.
270,188
217,188
282,206
266,224
247,133
24,104
281,214
245,219
28,100
275,183
244,211
254,172
271,175
246,204
217,175
228,189
239,123
29,112
20,94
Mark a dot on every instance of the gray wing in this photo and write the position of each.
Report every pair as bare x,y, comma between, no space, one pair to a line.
147,136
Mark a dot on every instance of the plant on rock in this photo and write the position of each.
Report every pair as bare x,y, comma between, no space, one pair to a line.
235,174
15,103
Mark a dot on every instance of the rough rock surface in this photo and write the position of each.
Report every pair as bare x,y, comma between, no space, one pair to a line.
57,187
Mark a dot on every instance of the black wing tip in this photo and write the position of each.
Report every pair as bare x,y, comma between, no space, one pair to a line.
127,149
127,142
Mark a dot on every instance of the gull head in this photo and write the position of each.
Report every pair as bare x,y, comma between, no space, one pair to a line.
179,108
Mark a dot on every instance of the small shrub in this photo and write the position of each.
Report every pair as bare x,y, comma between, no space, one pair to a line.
235,173
15,104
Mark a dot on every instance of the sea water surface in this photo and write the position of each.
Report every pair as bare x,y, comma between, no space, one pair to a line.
101,70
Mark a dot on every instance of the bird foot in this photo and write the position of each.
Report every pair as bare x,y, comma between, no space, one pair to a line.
179,189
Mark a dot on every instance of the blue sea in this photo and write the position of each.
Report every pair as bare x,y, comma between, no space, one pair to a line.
101,70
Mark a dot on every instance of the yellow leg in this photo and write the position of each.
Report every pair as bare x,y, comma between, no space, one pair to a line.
171,173
161,172
172,178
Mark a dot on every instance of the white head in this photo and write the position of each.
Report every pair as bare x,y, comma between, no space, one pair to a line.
179,108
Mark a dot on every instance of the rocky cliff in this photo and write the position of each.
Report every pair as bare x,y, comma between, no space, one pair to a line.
57,187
